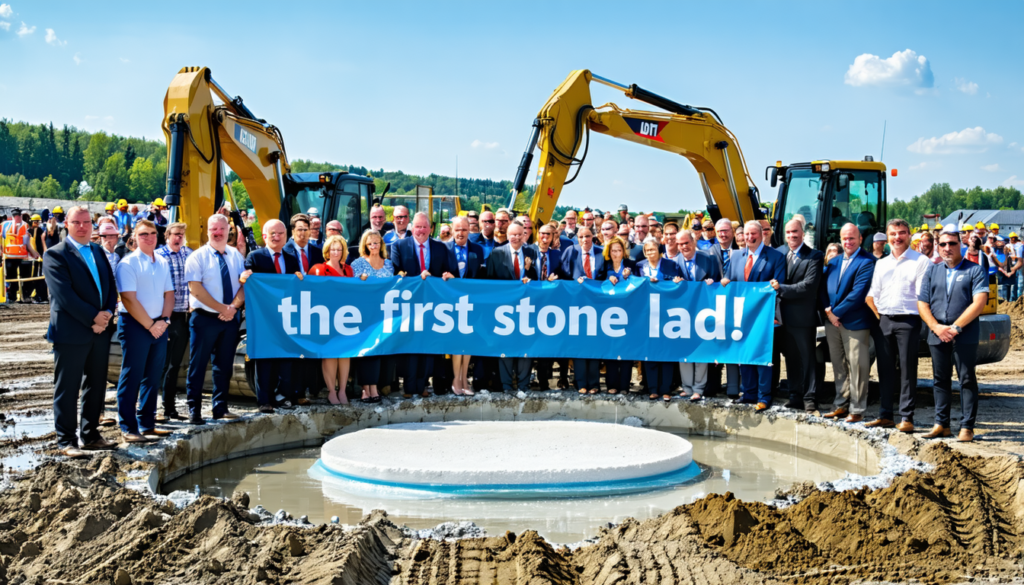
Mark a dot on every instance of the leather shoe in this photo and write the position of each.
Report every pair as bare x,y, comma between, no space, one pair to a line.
100,445
837,413
407,396
425,394
133,438
938,432
267,409
196,420
760,406
73,453
106,421
853,418
303,402
966,436
155,433
905,427
227,416
881,423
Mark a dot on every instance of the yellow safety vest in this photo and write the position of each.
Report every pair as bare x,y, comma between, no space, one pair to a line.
14,240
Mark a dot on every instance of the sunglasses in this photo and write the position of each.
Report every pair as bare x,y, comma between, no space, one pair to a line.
401,217
486,221
946,244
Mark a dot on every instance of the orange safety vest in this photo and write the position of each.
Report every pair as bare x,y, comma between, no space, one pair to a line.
14,240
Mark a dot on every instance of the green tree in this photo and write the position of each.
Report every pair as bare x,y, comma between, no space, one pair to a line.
241,195
145,180
51,189
113,182
97,153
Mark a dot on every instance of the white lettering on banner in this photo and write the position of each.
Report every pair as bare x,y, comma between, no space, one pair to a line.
611,318
678,329
524,309
345,316
574,320
542,320
286,308
306,314
441,314
655,328
463,307
508,326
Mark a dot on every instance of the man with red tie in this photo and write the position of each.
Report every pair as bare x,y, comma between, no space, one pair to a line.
423,257
305,372
585,261
273,375
516,261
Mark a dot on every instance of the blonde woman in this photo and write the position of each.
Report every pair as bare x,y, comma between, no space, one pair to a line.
372,262
335,370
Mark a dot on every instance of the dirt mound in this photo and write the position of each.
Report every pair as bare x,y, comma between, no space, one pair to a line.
1016,312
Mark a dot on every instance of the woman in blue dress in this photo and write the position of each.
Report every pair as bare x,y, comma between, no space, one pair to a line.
372,262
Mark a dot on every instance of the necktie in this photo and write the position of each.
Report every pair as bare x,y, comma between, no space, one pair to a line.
586,267
544,266
792,257
305,262
515,263
749,265
225,280
688,270
90,261
842,269
277,266
423,260
726,257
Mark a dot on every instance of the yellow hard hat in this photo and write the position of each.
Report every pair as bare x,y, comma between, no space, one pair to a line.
924,226
994,226
37,217
980,225
1014,235
122,203
109,207
58,209
159,202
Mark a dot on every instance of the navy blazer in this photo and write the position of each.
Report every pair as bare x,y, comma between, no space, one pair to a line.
554,257
74,300
609,271
405,258
715,251
474,259
770,265
668,268
316,255
800,293
565,243
572,263
261,261
947,305
499,265
846,296
705,267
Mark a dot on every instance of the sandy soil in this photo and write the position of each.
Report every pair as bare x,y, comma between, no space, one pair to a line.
75,522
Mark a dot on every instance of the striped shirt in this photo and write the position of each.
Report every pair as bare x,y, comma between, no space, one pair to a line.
176,260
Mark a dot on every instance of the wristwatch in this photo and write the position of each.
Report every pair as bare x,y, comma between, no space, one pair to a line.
956,328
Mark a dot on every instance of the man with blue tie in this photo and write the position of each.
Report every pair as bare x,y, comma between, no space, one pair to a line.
549,268
485,238
83,297
514,262
421,256
757,262
721,250
953,295
581,262
469,258
848,330
216,297
696,266
305,372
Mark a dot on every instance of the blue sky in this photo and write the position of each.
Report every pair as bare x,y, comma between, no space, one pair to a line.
411,86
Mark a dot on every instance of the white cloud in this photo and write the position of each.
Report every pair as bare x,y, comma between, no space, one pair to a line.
123,60
5,25
967,140
922,165
51,38
903,69
991,168
1013,181
5,11
77,60
1011,145
483,145
26,30
968,87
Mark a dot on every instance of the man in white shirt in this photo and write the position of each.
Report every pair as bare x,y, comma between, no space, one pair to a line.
147,300
216,297
401,231
893,299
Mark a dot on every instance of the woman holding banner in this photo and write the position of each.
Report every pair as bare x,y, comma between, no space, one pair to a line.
372,262
335,370
659,374
617,373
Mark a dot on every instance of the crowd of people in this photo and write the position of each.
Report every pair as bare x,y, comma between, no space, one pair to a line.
129,273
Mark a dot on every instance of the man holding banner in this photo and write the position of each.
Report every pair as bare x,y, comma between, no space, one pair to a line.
585,261
514,262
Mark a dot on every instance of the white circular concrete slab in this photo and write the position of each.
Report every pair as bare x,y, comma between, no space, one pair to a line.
505,453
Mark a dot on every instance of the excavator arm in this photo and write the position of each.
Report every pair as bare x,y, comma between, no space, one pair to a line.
201,137
695,133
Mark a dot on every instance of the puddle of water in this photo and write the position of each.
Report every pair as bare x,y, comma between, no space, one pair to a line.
752,471
20,426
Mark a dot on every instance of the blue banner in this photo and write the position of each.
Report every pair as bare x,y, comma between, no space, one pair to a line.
636,320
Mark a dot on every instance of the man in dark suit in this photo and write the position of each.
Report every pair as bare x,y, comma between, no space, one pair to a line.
305,372
642,225
585,261
469,258
757,262
795,339
485,239
420,255
83,297
953,295
848,331
695,266
721,250
549,267
516,261
273,375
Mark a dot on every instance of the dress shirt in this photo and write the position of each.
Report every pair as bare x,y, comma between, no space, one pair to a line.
300,252
653,270
756,253
113,258
846,262
897,282
461,256
149,278
176,262
522,261
393,236
689,266
426,253
590,258
90,261
203,267
703,244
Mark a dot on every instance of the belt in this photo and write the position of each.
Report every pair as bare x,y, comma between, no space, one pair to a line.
205,312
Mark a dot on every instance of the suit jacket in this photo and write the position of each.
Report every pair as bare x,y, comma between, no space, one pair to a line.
565,243
636,253
316,255
715,251
947,306
500,265
771,265
668,268
846,295
74,300
705,267
261,261
555,259
405,258
474,259
800,293
572,263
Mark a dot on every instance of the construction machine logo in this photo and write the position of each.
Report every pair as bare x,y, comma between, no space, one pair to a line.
646,129
245,138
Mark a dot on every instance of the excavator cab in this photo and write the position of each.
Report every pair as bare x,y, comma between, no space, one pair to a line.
829,195
337,195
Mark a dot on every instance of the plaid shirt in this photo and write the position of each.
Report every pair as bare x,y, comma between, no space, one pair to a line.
177,263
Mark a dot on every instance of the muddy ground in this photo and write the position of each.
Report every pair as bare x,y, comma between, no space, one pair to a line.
75,522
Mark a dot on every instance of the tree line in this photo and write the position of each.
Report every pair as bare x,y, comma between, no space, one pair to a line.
940,198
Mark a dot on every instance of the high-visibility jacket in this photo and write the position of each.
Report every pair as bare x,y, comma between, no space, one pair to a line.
14,239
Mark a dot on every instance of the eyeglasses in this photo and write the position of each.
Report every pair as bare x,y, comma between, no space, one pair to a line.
401,217
709,229
144,235
946,244
486,221
300,230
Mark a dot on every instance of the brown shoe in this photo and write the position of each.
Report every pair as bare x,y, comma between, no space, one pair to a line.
303,402
938,432
155,433
837,413
881,423
100,445
853,418
107,422
966,435
133,438
228,416
73,453
905,427
425,394
760,406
